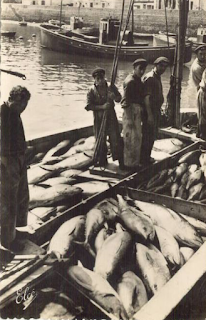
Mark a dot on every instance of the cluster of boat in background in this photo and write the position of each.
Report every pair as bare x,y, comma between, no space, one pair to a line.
75,38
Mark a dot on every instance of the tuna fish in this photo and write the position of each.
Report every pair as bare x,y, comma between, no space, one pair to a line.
153,268
172,222
76,161
111,254
202,159
182,193
97,289
191,157
180,170
168,246
57,180
102,235
92,187
194,178
78,148
203,193
157,179
53,195
187,253
109,207
58,150
44,212
169,145
135,221
37,174
192,168
174,189
70,173
184,178
132,292
194,191
62,243
197,224
95,220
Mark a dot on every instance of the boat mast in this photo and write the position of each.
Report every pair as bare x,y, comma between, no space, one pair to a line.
60,18
183,13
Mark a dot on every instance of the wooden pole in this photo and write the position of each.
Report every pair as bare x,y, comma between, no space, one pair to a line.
60,19
180,56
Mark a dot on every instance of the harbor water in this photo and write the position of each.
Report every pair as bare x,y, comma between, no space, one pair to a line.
58,82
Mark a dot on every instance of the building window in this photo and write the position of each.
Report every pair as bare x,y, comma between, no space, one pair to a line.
91,5
144,6
43,3
191,5
33,2
103,5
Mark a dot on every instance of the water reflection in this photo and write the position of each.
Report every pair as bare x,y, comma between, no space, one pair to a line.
58,82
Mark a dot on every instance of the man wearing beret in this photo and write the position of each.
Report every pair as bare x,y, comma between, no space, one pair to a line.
100,98
132,103
198,66
153,101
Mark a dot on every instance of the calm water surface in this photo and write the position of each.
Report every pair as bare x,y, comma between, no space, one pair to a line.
58,82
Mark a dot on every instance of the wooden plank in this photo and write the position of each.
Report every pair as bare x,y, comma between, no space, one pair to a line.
111,170
192,209
177,133
162,304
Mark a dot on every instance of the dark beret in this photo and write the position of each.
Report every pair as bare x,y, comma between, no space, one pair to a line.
98,71
200,48
139,61
161,59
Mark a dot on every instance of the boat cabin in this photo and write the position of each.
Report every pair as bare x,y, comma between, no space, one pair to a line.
201,34
108,31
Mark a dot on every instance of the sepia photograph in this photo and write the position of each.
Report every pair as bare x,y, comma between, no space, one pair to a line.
103,160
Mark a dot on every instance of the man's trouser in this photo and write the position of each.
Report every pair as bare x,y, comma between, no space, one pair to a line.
14,196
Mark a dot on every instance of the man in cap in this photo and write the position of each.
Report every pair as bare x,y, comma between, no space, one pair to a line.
201,104
14,186
153,101
132,103
100,98
198,66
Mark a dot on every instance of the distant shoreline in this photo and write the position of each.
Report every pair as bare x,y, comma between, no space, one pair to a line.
145,21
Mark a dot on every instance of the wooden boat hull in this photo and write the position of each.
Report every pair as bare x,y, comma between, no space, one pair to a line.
8,34
72,45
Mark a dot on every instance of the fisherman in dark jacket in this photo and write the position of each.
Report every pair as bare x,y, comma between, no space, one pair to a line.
153,101
14,184
101,98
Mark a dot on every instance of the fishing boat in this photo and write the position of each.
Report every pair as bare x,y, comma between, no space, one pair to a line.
9,34
104,46
200,39
22,23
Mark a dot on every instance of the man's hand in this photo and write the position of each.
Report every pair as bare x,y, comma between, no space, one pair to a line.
111,95
107,106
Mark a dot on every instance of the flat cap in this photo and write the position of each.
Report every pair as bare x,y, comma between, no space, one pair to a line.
200,48
161,59
139,61
98,71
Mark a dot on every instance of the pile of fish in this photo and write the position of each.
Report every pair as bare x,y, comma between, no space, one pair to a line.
133,249
187,180
54,183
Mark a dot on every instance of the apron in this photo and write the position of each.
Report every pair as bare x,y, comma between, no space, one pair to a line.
201,102
132,135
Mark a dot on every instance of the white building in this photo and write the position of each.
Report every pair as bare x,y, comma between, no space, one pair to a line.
144,4
100,4
174,4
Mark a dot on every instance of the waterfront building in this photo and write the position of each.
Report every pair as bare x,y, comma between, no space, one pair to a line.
144,4
99,4
174,4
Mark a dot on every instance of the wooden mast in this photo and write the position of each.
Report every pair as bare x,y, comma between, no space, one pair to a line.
60,19
182,26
